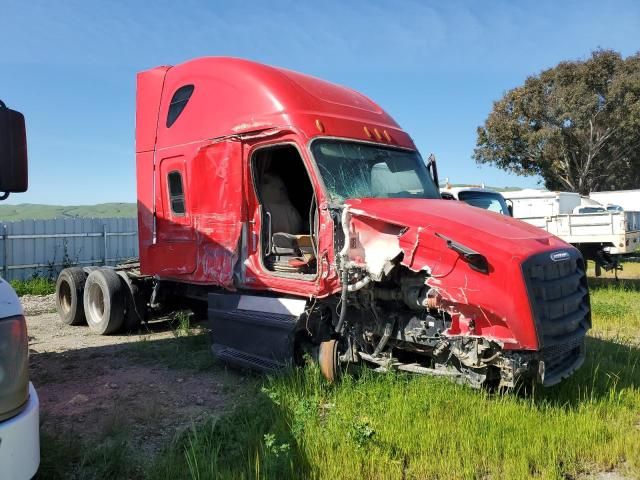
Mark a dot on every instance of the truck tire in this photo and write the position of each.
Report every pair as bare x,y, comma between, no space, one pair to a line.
328,360
69,295
104,301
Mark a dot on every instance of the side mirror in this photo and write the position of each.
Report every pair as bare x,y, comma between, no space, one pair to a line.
510,207
13,152
433,169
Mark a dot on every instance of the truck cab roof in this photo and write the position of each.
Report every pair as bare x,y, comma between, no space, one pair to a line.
214,97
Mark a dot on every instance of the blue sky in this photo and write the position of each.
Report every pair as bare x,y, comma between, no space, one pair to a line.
436,67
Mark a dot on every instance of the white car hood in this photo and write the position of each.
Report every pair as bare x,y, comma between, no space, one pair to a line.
9,304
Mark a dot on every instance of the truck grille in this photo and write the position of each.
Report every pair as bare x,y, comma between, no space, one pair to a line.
560,304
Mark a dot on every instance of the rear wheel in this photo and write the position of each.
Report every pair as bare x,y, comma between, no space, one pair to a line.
104,301
69,295
328,356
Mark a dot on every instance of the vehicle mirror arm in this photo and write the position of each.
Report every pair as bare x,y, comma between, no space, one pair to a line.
433,169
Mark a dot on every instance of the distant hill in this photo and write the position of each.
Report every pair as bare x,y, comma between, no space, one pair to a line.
33,211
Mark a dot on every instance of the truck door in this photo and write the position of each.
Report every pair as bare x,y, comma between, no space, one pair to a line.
217,186
175,247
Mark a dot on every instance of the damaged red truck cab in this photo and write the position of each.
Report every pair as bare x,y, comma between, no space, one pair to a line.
306,219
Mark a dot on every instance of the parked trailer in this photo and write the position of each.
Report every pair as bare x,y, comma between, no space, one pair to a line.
303,220
601,235
629,200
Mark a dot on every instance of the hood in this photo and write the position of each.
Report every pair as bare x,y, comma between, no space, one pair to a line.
484,231
422,234
446,215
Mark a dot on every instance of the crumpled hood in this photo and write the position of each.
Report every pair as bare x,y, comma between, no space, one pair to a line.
448,216
419,231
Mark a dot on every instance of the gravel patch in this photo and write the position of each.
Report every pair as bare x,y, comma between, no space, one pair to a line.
38,304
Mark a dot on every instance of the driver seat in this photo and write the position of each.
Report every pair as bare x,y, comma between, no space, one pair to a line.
289,247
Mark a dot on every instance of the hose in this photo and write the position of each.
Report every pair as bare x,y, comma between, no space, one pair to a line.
343,301
359,284
344,261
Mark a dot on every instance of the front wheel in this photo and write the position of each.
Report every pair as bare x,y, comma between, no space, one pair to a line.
104,301
329,360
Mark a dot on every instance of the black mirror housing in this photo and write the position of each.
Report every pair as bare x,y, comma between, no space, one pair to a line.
14,177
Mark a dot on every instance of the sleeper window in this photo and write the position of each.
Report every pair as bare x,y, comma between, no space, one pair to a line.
178,102
176,193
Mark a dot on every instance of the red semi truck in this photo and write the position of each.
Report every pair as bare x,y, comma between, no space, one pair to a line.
303,218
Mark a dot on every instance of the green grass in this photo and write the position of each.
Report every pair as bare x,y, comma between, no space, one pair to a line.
31,211
188,349
395,426
402,426
615,307
66,456
34,286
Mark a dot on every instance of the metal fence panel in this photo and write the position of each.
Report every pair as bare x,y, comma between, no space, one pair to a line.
43,247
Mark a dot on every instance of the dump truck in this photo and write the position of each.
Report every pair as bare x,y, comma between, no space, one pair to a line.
302,219
19,403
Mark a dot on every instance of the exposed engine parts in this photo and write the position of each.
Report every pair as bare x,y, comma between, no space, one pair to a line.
396,318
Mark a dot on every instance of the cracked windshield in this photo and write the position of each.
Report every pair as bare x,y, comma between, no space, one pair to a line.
359,170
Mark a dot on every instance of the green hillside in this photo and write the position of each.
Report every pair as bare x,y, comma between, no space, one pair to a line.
32,211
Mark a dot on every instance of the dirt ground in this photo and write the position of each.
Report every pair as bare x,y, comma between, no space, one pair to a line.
87,383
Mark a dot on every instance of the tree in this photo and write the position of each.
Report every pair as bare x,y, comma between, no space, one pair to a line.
577,125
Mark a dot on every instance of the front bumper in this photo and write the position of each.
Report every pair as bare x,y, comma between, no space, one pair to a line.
547,367
20,441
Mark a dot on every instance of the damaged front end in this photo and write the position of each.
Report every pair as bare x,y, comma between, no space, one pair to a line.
425,291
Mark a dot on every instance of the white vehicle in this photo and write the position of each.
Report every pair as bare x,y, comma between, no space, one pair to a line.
542,203
19,406
597,231
628,200
477,197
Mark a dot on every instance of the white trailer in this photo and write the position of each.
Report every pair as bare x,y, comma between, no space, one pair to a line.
599,236
542,203
627,199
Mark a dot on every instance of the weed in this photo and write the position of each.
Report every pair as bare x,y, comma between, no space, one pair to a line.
111,455
33,286
404,426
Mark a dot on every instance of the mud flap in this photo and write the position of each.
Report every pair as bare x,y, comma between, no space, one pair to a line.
252,331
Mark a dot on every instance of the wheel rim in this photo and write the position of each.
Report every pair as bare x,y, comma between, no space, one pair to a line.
328,359
64,297
96,303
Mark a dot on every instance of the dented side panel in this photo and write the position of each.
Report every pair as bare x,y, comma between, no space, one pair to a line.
219,210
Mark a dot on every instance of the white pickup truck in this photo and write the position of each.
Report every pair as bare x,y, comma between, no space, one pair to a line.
599,233
19,407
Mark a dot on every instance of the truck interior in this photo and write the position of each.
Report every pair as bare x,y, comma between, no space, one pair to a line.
288,207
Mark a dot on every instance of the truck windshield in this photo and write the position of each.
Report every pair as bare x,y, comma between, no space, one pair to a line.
360,170
493,202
